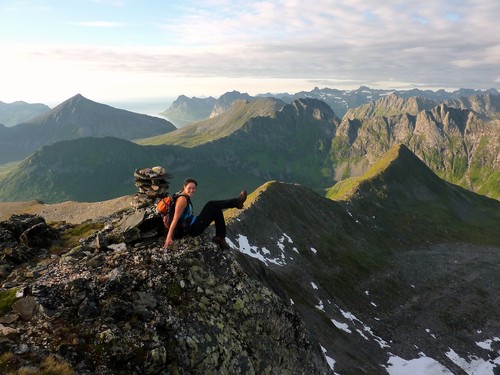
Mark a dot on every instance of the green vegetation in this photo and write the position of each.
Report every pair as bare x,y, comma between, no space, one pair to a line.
218,127
10,365
71,237
408,198
7,168
7,298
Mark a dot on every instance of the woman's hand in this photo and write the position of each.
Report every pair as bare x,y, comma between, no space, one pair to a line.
168,241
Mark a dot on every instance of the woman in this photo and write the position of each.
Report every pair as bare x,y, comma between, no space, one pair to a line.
196,225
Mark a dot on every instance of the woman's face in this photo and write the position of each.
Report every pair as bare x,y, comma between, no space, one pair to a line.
190,189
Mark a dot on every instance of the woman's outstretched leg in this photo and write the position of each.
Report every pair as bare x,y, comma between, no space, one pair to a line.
212,212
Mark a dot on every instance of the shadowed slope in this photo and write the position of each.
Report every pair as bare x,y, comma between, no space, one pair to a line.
373,273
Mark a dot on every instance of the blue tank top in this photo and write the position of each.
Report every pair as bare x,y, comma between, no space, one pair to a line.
187,215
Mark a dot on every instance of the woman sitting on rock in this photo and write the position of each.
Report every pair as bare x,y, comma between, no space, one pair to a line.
196,225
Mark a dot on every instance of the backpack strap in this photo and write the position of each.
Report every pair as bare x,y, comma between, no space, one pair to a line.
177,195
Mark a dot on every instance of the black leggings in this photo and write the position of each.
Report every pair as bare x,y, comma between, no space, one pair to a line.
212,211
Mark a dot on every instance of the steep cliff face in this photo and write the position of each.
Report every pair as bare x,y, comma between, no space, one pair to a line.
184,111
460,145
485,104
391,105
117,303
226,100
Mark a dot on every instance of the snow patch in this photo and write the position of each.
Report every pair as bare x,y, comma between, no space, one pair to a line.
329,360
245,247
382,343
342,326
475,365
429,332
421,366
486,344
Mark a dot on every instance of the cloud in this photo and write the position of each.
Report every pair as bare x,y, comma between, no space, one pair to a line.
438,44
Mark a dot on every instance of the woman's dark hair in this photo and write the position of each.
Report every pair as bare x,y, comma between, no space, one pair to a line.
189,180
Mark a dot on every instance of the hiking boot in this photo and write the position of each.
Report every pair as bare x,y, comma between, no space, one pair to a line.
221,242
241,199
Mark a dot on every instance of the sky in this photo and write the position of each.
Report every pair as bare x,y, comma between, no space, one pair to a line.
140,50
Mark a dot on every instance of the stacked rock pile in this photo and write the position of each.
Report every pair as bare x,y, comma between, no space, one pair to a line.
152,183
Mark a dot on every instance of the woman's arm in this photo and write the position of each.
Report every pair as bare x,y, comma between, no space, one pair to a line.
180,205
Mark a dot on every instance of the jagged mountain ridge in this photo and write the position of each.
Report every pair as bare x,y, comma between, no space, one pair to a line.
340,101
225,101
18,112
391,105
185,111
459,144
343,100
486,104
77,117
394,270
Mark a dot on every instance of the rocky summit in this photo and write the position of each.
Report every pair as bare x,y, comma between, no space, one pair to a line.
104,297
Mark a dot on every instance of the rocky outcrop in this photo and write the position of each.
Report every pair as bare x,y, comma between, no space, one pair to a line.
110,307
23,239
485,104
459,145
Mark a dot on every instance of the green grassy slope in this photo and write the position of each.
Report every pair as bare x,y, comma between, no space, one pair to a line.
218,127
409,197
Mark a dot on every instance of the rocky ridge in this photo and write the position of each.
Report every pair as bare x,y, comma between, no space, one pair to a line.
458,144
118,303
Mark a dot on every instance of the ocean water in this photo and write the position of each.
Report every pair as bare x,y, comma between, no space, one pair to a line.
150,107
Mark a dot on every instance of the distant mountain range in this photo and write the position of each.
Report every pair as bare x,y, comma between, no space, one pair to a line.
18,112
184,111
77,117
460,145
262,139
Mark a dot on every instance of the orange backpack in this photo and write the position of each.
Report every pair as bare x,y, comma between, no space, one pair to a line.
166,208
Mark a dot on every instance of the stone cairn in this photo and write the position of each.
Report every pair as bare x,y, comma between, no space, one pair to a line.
152,184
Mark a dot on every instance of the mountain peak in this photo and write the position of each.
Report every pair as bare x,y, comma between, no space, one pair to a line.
397,170
81,117
406,188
